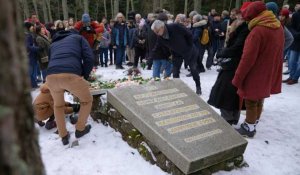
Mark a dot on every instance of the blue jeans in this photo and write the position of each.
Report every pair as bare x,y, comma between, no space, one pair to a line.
33,67
294,64
103,52
161,64
120,55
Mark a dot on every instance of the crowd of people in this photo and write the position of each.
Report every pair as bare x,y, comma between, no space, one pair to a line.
248,44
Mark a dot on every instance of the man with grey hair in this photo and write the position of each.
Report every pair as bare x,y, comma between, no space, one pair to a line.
138,18
179,40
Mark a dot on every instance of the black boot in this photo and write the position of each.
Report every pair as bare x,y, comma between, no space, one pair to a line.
198,91
41,123
73,119
65,139
50,124
76,107
86,130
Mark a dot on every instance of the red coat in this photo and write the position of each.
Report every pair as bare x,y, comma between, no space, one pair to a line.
259,73
90,37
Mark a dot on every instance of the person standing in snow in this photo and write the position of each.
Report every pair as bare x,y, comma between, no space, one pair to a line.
259,73
70,64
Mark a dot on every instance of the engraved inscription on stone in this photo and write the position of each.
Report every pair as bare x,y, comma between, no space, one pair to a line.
182,118
169,104
161,99
150,88
203,136
175,111
155,93
191,125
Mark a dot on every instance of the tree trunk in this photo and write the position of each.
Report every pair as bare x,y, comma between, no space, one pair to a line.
26,9
155,4
116,7
49,10
58,9
161,4
35,8
285,2
19,148
224,4
86,6
97,11
64,6
198,5
237,3
127,8
45,12
185,6
132,5
112,9
105,10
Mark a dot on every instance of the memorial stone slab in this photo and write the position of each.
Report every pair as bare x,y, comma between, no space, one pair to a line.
184,127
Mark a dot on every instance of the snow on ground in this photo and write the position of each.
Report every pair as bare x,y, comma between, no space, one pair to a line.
274,150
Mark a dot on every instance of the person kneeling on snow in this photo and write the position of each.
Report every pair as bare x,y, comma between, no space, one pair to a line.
43,108
71,61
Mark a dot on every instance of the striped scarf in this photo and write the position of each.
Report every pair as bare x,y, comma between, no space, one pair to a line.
266,19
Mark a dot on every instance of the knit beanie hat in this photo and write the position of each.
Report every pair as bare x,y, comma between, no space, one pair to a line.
272,6
86,18
245,5
285,12
27,25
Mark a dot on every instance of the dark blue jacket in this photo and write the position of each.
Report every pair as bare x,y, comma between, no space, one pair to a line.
70,53
131,32
197,31
120,35
180,40
31,48
295,30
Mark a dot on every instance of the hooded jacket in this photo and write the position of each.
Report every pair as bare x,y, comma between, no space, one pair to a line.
70,53
259,72
197,31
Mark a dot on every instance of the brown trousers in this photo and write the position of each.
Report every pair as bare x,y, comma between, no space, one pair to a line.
76,85
253,110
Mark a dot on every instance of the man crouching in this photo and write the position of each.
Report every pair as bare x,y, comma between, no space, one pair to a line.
70,58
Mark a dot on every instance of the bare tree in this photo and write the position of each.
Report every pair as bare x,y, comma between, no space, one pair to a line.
49,10
64,6
285,2
112,9
35,8
116,7
26,9
198,5
127,8
132,5
58,9
19,148
161,4
105,10
45,12
185,6
237,3
86,6
155,4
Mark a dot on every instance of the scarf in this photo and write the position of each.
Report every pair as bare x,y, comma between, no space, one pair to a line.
266,19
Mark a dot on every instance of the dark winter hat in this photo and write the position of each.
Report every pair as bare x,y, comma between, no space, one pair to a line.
86,18
272,6
27,25
162,17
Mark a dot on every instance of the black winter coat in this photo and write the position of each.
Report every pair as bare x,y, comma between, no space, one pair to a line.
223,94
295,30
44,45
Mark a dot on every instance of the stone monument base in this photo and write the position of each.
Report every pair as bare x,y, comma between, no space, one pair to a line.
109,116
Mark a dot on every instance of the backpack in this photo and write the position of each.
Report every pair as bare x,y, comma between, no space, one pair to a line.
205,37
